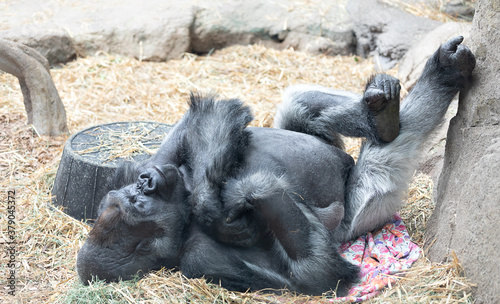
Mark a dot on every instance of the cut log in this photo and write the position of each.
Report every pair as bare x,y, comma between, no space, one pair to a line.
91,157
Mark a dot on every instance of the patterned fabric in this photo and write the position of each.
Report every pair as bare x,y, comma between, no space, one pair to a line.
380,255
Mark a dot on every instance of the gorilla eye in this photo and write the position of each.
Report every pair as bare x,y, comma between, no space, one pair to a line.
144,248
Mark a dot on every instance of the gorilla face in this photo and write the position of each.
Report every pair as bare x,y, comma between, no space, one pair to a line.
140,227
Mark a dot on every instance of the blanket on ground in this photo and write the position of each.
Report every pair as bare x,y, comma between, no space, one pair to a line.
380,255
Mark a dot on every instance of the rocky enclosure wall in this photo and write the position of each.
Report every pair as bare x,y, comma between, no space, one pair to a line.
159,30
467,215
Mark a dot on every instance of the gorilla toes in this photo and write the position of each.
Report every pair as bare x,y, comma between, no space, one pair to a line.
456,56
466,62
382,98
380,91
451,45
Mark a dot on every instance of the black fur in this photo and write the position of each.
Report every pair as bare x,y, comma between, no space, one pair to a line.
217,129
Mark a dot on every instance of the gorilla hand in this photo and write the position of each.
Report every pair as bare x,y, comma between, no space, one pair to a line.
239,226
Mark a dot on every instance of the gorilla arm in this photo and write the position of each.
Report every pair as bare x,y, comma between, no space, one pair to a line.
214,144
302,248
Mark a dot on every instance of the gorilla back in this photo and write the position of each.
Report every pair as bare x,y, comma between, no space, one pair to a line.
256,208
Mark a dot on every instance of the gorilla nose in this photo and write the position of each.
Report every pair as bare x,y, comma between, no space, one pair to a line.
147,182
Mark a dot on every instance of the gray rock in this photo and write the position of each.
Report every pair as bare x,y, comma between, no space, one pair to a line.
385,32
433,156
318,28
467,218
413,62
150,30
463,9
52,41
159,30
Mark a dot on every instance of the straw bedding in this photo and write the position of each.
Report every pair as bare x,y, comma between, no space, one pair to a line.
107,88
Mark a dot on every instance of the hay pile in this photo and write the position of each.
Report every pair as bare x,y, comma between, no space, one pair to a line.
107,88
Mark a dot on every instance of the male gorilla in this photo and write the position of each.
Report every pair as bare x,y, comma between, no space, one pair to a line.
255,208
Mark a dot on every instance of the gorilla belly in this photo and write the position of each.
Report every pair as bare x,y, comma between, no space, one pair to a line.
316,170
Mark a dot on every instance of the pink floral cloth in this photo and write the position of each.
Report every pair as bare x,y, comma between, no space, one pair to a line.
380,255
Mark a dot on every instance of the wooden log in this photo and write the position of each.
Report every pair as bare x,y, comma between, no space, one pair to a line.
91,157
43,105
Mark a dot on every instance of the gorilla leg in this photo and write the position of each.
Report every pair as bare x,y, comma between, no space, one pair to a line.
377,183
325,113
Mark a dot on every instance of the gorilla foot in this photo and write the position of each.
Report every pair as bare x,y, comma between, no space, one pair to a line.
382,98
458,59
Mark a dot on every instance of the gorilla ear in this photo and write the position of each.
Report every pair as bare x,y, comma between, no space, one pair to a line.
105,227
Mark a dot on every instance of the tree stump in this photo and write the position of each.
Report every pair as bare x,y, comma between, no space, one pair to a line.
91,157
43,105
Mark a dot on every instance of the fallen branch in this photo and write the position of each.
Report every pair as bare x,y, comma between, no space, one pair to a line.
43,105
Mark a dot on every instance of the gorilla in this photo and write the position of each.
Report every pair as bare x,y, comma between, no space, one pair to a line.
265,208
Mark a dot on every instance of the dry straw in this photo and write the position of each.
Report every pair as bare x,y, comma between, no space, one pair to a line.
107,88
431,9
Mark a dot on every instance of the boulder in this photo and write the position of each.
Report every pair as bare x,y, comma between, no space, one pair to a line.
467,217
52,41
160,30
317,28
431,163
385,32
413,62
148,30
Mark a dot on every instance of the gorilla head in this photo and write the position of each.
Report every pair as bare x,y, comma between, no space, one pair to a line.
140,227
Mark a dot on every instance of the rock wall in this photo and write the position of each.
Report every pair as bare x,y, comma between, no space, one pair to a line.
386,32
467,215
159,30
